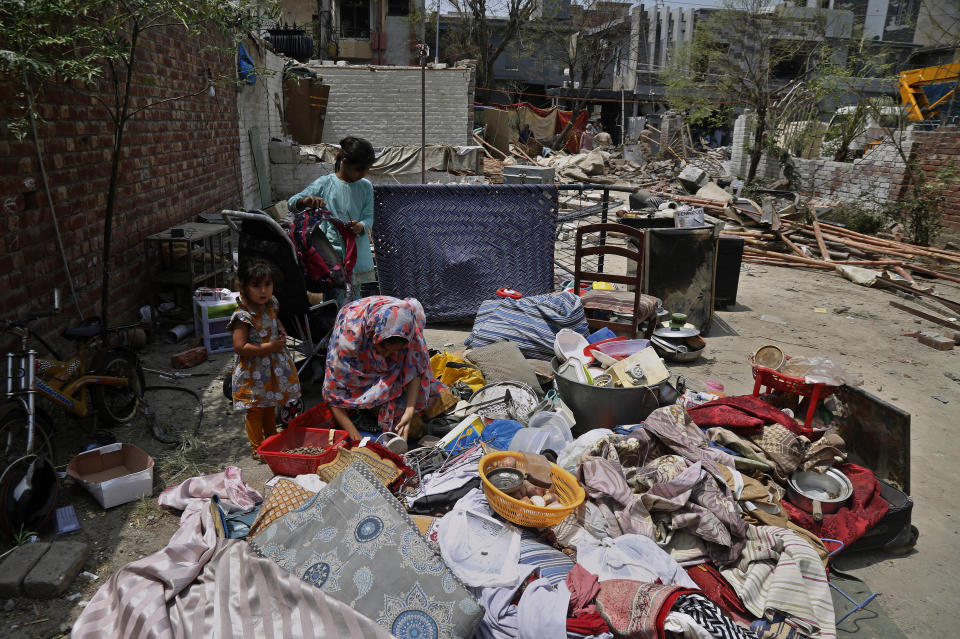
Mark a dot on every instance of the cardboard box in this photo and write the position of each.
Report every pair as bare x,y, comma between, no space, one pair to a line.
114,474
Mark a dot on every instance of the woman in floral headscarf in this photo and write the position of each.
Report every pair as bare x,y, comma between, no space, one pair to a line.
378,360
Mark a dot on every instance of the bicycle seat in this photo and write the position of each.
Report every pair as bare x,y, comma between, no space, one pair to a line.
90,327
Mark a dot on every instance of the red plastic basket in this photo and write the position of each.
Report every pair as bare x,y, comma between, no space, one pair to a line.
292,464
318,416
771,379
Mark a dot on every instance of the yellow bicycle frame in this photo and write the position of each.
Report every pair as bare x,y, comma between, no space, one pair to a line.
58,381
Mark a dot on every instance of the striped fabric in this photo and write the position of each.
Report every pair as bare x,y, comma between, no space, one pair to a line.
553,564
531,322
780,572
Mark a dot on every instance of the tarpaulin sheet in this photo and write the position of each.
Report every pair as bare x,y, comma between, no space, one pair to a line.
453,246
396,160
579,125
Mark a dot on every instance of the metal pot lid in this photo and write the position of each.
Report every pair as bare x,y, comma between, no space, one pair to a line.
675,332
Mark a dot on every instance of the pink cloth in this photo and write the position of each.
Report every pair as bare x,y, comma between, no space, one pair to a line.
584,588
228,485
193,498
204,587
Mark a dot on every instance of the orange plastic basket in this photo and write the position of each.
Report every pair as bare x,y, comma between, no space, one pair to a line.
568,490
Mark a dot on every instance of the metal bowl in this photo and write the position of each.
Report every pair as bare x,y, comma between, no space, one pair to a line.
506,480
667,349
826,492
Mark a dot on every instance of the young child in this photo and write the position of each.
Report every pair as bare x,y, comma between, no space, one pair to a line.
265,376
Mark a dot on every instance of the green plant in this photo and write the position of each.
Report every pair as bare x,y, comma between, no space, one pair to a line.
23,536
921,205
858,218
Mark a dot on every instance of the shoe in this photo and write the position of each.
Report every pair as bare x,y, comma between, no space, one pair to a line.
257,456
394,443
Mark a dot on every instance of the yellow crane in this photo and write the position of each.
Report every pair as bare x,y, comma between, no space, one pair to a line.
927,91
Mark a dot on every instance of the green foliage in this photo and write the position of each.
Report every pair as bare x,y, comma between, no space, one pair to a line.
23,536
858,218
747,54
921,205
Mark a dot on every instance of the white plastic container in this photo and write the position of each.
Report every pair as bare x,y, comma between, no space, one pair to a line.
547,430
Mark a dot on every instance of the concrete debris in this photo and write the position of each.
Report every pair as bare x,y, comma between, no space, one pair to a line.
692,178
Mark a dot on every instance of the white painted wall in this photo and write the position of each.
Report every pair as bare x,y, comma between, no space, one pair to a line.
382,104
256,107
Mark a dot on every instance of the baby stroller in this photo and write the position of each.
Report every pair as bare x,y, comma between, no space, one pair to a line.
310,325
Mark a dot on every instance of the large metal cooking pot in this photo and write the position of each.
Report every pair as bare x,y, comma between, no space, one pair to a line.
606,407
819,494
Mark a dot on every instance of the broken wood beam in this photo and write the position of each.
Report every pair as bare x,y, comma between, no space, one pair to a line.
927,316
489,146
932,273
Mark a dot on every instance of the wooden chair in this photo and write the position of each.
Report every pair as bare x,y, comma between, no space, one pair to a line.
641,307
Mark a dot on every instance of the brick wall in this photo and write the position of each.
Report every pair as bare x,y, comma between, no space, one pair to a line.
871,180
382,104
180,159
936,150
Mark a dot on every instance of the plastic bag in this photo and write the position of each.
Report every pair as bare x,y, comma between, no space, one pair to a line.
820,370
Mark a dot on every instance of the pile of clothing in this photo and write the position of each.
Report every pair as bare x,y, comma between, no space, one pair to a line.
686,531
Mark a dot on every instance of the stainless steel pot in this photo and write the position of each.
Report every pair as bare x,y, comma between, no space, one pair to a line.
606,407
819,494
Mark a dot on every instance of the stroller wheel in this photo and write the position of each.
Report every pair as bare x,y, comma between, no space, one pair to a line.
289,411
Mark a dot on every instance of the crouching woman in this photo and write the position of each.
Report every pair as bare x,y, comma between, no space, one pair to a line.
378,360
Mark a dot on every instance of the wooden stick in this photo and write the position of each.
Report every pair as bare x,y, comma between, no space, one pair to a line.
793,247
953,306
926,316
770,262
931,273
899,246
488,145
824,253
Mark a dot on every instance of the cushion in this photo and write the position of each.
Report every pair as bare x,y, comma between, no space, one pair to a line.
503,362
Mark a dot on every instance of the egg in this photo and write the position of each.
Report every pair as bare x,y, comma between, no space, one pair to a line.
508,462
537,500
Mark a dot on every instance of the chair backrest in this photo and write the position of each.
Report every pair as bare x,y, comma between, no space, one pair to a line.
603,249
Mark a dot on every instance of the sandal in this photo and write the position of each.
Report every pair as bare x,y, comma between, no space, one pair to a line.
257,456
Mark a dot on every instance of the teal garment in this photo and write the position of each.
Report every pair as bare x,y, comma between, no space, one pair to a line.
351,202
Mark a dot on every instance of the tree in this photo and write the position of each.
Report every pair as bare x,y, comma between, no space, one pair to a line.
483,37
749,53
591,43
95,45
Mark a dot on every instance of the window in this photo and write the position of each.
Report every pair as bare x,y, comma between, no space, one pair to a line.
355,18
398,7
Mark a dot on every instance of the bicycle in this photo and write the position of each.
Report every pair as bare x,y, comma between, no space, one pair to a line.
112,375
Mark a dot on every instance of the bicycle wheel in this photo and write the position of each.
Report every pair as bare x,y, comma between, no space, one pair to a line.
13,436
119,404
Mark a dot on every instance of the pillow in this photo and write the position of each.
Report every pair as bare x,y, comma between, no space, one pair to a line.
285,496
503,362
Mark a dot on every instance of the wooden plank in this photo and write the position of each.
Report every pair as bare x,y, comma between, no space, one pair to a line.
954,306
824,253
926,316
260,166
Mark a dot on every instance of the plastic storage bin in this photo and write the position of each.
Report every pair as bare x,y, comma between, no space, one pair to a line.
292,464
210,319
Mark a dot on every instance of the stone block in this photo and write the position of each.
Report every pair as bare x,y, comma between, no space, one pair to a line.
693,178
56,570
17,566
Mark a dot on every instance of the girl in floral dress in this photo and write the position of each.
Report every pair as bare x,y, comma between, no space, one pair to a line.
265,376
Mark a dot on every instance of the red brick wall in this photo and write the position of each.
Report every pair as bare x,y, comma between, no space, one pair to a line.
936,150
180,159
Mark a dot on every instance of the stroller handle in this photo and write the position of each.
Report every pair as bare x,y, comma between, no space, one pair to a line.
230,218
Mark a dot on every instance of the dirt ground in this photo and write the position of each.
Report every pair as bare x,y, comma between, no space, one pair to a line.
775,305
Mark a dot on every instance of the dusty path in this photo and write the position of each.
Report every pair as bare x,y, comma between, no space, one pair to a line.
866,337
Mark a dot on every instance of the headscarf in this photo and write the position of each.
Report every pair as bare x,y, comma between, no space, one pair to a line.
358,376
